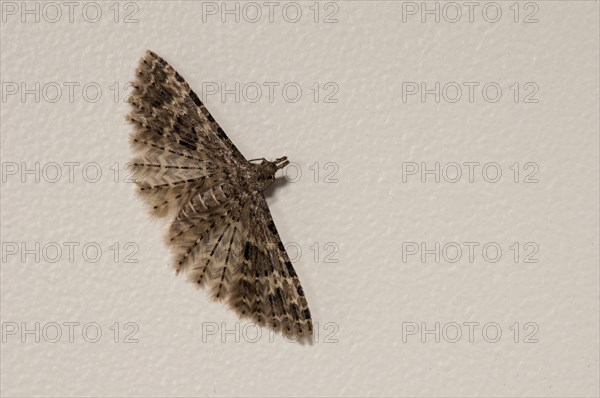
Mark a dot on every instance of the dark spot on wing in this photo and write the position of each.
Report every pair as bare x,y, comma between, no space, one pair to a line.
290,268
188,145
195,98
247,251
221,133
306,313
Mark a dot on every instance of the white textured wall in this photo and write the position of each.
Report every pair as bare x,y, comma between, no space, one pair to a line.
365,300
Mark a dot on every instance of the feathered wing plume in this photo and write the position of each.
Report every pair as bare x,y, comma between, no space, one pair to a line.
222,233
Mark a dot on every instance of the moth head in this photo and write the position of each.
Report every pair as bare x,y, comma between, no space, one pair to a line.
266,169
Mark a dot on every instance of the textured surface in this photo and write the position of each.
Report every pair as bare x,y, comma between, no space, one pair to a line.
367,306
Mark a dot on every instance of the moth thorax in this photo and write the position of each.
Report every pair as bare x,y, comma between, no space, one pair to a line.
266,170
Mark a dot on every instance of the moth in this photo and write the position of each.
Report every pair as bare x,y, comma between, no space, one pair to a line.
222,234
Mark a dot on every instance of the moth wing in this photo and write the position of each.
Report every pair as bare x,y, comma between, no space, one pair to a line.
267,289
178,144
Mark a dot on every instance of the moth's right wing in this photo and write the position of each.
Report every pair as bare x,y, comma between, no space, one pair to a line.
180,148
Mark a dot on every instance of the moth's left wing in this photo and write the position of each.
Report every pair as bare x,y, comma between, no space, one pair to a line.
266,288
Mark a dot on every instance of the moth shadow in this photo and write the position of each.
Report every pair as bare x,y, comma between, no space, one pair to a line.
278,183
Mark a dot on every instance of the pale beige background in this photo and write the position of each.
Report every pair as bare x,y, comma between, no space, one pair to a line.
363,300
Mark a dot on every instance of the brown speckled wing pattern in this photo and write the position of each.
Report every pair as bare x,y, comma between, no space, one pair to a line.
222,234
